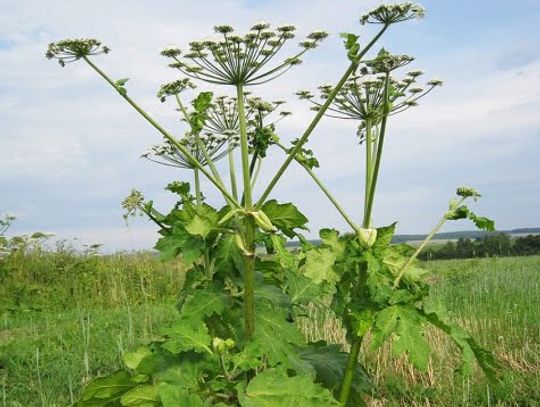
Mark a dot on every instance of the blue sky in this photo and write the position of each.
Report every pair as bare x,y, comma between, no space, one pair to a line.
69,146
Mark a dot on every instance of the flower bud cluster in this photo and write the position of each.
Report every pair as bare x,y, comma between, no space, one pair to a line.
393,13
71,50
174,88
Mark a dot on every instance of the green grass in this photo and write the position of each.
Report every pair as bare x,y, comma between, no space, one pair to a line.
68,318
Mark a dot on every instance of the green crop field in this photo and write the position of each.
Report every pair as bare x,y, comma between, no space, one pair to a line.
67,318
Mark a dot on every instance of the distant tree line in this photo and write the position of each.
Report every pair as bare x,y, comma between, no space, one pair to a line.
494,245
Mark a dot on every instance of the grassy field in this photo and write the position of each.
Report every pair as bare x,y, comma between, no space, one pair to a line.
66,318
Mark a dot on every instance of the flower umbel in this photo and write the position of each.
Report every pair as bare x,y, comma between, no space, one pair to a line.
174,88
393,13
362,97
223,118
386,62
235,59
67,51
168,154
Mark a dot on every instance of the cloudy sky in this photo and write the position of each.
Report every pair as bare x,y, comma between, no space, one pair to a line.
69,146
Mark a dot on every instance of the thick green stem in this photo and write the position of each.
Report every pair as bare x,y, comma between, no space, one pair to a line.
371,176
317,118
198,197
350,370
249,224
232,171
198,200
326,191
380,145
256,173
165,133
367,186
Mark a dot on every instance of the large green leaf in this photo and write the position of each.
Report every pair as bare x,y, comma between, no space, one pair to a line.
179,241
141,396
283,256
329,363
188,335
286,217
272,294
303,290
185,372
227,255
275,337
396,256
174,396
203,222
149,360
204,302
274,388
319,265
405,324
330,237
106,388
437,315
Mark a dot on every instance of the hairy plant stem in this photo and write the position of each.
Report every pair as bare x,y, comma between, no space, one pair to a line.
349,370
379,147
198,197
428,238
256,173
367,186
326,191
249,224
372,170
198,200
232,171
164,132
350,70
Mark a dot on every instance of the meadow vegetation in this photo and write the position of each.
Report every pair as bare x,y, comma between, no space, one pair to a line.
68,317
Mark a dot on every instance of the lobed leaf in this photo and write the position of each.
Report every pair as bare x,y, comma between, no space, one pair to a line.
274,388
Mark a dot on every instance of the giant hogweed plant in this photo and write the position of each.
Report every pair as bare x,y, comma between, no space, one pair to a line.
236,342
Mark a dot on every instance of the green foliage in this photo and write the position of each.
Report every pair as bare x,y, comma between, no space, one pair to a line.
329,362
285,217
275,388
